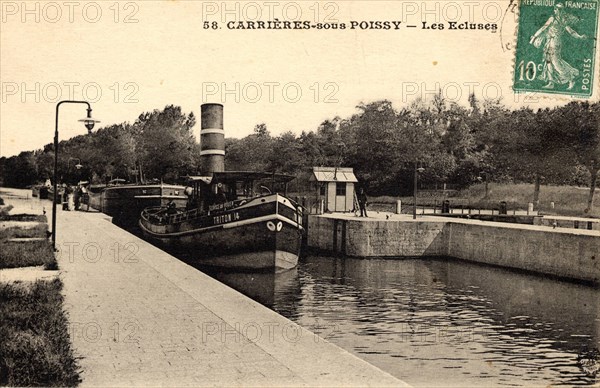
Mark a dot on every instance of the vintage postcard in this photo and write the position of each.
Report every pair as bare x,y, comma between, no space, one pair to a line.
299,193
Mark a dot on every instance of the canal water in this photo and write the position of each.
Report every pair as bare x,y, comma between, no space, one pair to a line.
436,322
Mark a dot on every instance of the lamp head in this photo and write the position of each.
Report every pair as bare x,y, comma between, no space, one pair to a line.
89,122
420,170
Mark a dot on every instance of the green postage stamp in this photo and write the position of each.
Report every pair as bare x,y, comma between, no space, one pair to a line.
556,47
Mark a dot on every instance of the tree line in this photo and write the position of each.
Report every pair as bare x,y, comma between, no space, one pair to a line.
455,144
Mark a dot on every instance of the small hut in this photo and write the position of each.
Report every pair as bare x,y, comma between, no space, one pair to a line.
335,187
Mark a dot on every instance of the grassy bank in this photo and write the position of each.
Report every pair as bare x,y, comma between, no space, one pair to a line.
34,340
23,217
27,254
35,348
38,231
568,200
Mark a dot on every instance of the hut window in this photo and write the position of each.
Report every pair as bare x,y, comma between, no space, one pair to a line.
340,188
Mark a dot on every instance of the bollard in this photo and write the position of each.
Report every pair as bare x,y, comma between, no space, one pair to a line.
503,209
446,206
398,207
529,208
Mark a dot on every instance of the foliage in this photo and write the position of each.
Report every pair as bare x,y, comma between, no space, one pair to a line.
454,144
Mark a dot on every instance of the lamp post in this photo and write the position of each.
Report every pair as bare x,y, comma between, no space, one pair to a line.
78,166
418,170
89,124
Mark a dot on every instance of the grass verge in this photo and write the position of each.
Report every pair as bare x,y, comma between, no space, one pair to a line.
38,231
23,217
35,348
557,200
27,254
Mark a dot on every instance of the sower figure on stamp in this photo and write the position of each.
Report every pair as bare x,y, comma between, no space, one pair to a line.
550,36
362,202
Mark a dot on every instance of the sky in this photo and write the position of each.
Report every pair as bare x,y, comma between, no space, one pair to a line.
129,57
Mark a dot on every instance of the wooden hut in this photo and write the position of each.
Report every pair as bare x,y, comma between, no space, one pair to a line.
335,188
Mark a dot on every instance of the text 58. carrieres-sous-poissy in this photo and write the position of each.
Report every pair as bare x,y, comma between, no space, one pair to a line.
350,25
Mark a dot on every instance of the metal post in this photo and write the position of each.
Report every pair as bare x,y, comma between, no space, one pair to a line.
486,186
415,194
55,174
54,183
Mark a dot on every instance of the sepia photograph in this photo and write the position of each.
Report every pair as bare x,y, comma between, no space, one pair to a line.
306,193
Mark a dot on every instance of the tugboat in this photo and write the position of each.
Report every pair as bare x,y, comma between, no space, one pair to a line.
227,223
233,219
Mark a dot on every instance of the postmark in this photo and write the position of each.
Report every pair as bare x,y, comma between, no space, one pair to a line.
556,47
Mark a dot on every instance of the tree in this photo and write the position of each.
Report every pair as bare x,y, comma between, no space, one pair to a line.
374,146
252,153
580,121
21,170
113,153
286,156
165,143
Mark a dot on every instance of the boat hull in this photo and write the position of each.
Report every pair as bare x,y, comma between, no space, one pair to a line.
125,203
260,241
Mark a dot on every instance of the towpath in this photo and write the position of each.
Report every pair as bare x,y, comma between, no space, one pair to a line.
140,317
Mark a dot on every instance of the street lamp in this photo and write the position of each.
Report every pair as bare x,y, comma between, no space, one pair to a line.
77,166
89,123
418,170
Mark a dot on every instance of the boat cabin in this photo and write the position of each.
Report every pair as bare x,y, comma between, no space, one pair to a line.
223,188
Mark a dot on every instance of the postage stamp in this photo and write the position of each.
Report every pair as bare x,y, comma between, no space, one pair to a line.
556,47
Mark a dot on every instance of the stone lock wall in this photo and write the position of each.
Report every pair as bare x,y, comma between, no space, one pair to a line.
566,253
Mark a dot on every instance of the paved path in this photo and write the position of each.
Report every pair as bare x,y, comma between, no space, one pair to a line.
140,317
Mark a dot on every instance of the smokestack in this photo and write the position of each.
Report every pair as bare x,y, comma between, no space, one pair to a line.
212,139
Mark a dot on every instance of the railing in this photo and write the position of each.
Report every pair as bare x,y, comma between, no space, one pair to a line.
160,215
458,206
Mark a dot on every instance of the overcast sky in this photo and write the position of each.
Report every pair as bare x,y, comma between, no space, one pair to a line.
131,57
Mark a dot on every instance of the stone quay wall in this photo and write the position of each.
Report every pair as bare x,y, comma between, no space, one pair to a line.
568,253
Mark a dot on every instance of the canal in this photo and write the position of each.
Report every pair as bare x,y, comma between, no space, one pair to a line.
441,322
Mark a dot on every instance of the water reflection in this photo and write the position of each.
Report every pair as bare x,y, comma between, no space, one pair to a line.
440,322
274,290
